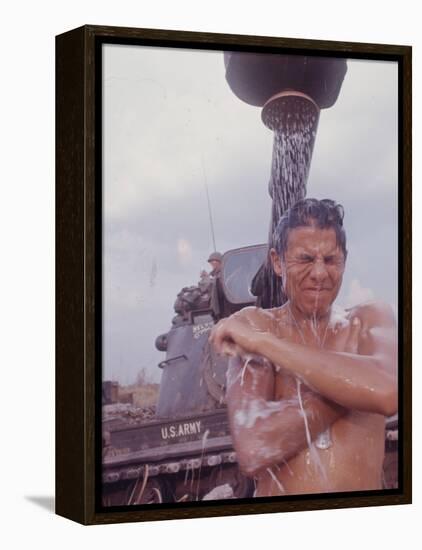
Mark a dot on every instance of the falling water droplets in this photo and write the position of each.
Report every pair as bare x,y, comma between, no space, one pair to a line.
294,121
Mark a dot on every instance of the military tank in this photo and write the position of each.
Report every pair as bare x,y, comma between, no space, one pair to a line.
185,450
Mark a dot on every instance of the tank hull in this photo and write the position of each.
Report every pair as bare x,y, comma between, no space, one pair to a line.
175,459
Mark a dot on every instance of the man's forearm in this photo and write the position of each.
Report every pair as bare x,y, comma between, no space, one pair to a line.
354,381
271,432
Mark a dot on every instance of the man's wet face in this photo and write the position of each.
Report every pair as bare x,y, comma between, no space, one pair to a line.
312,269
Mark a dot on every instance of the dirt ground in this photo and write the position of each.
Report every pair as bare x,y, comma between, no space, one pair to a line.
144,395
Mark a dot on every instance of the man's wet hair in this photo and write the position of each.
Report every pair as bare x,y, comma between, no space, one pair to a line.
323,214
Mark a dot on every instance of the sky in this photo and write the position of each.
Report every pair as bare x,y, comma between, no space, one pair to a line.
171,127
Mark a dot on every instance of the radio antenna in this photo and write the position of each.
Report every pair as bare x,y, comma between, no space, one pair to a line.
209,205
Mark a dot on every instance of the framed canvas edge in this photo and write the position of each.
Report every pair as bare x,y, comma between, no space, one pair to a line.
77,208
70,296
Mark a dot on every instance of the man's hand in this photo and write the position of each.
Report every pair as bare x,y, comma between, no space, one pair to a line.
236,336
362,376
352,342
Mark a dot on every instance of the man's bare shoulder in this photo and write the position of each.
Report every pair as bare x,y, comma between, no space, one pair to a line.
374,314
262,319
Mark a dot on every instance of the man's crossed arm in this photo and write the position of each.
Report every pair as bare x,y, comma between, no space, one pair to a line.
363,377
267,432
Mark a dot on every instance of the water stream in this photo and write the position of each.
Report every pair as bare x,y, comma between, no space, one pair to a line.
294,120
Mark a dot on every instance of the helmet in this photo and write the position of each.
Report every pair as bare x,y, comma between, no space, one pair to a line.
215,256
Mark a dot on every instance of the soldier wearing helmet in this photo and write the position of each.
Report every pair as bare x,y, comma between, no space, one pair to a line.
215,260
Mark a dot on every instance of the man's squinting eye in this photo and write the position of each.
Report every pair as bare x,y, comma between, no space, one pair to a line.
305,258
333,259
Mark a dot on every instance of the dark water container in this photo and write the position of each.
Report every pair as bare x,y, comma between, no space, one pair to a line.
254,78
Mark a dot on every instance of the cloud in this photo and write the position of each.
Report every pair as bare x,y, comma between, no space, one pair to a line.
357,137
165,132
171,124
184,251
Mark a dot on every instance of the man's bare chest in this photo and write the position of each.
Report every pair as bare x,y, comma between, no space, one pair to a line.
334,340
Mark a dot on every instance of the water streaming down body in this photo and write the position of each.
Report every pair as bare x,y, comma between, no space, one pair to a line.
276,480
311,447
323,440
248,358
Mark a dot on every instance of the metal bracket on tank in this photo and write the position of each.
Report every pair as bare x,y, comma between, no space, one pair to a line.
168,361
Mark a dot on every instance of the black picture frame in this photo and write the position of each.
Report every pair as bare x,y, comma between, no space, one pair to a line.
78,272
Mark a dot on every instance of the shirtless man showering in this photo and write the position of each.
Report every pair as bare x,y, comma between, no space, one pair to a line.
309,386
